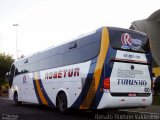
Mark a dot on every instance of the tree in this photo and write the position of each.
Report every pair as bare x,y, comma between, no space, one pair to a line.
5,64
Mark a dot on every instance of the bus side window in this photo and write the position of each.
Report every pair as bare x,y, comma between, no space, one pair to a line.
90,51
12,71
72,57
16,71
91,46
43,64
56,61
33,63
72,53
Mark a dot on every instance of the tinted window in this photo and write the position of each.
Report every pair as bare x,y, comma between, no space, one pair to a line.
17,69
22,66
33,58
20,70
12,70
95,37
44,55
19,63
91,46
72,56
56,50
90,51
25,66
56,61
43,64
34,66
128,40
72,53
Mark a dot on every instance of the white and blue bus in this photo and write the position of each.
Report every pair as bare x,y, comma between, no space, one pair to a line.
108,68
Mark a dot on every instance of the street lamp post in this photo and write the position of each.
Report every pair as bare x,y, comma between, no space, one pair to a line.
16,25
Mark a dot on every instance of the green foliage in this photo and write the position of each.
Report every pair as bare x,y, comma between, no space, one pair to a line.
5,64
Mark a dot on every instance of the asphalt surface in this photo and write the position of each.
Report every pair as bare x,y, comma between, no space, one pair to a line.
9,111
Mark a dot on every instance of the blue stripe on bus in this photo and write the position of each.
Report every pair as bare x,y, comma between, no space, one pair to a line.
50,103
86,86
36,91
107,72
98,94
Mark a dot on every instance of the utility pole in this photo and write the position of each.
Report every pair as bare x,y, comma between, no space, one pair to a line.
16,25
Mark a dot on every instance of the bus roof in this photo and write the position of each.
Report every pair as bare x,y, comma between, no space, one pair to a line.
79,37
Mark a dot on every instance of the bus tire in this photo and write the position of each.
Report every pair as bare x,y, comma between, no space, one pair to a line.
62,102
16,99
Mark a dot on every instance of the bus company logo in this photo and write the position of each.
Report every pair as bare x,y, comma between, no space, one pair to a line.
130,43
74,72
126,40
128,73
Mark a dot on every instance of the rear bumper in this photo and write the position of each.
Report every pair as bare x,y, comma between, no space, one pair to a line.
108,101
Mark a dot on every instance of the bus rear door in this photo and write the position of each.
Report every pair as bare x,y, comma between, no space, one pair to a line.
130,75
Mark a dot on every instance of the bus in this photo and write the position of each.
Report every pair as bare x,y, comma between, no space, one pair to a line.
108,68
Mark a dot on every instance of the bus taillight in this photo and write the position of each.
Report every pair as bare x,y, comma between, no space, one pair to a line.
106,83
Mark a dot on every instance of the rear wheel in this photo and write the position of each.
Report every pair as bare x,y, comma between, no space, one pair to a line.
16,99
62,102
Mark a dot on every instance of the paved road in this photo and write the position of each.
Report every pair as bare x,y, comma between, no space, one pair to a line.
9,111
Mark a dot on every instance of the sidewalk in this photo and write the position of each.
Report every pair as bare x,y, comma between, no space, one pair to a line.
153,109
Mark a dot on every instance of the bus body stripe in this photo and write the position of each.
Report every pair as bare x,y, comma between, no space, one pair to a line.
50,103
44,102
36,91
86,86
98,70
40,91
107,71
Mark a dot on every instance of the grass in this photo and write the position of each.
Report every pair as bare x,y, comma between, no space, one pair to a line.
156,99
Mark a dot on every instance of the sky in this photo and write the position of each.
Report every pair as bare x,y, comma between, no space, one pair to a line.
46,23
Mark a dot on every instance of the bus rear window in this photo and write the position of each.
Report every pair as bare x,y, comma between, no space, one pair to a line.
128,40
